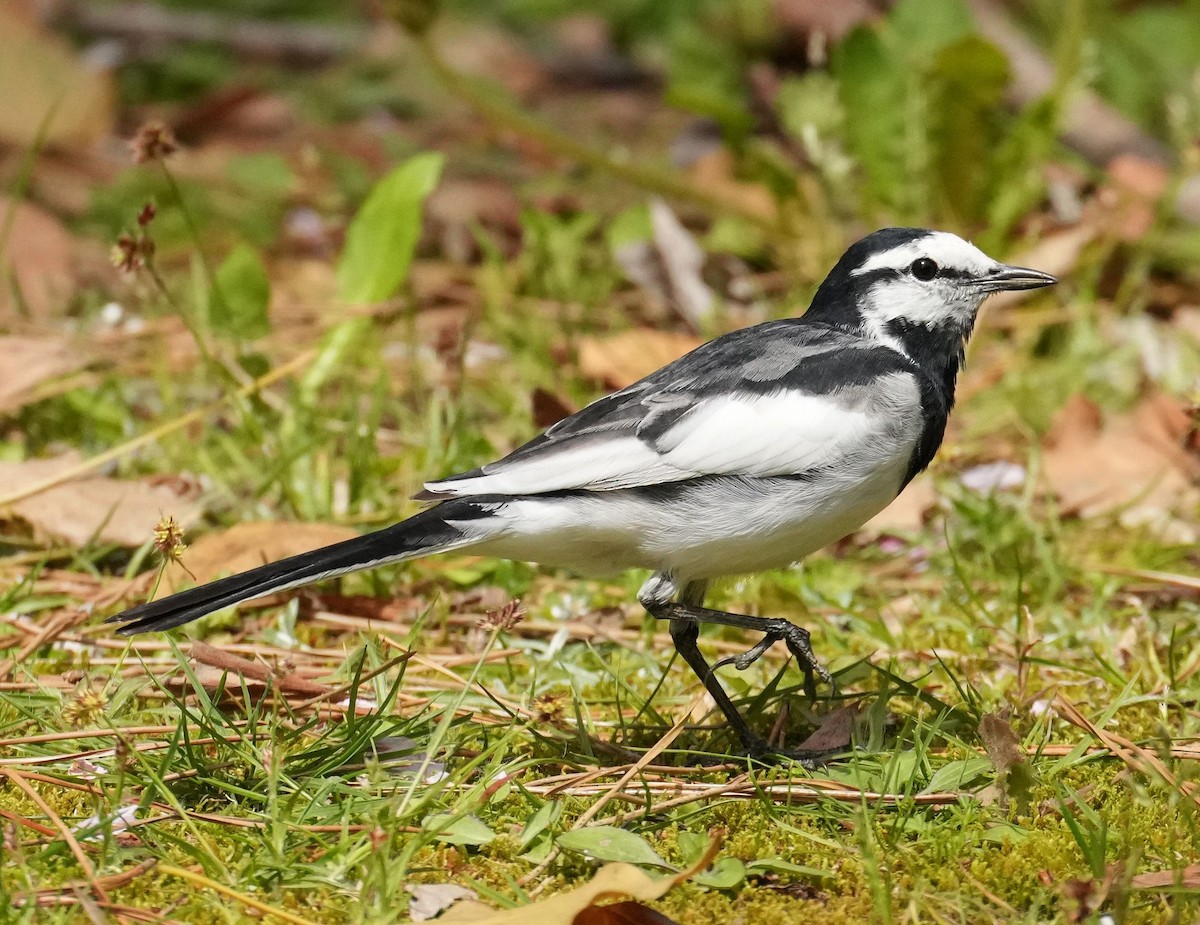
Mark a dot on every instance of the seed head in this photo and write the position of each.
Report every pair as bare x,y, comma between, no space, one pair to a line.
504,618
154,141
168,538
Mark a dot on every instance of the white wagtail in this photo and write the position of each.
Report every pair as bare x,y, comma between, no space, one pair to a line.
747,454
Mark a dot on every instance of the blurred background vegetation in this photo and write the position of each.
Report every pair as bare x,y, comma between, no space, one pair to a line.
265,266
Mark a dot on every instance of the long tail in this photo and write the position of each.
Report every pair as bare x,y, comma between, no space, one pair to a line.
450,525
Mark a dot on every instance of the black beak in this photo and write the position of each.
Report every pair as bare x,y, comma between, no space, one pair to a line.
1004,278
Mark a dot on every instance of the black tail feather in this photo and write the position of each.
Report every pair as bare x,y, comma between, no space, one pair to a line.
423,534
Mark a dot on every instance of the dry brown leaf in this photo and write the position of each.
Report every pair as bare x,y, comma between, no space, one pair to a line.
622,913
41,76
669,266
1003,747
907,513
460,207
248,545
27,362
835,731
611,881
713,173
121,511
1137,462
800,20
1144,178
622,359
38,260
1188,878
548,408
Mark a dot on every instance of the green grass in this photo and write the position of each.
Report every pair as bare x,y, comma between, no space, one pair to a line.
468,760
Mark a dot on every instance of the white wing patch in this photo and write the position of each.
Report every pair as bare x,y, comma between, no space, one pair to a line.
781,434
786,433
598,463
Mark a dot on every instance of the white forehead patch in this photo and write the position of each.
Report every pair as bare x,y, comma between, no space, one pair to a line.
942,247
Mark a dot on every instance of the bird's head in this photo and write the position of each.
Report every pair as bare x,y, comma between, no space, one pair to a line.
912,285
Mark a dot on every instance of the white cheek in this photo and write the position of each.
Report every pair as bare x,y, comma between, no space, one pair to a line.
930,304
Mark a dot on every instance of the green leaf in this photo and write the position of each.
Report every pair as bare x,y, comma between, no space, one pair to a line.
629,227
337,346
968,77
922,28
383,235
706,76
954,775
545,817
873,85
464,830
780,866
608,843
237,304
725,874
264,175
692,846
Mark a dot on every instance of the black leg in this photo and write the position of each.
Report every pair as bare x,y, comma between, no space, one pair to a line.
686,615
684,634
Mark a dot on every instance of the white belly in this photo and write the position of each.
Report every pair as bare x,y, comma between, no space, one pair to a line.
717,526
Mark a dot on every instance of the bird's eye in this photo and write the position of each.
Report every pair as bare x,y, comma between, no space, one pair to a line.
923,269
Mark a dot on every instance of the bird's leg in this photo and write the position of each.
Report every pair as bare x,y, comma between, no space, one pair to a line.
655,597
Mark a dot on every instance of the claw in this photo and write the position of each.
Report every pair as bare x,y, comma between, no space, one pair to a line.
744,660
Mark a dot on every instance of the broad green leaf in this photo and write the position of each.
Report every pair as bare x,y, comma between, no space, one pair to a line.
707,77
1146,55
873,85
237,304
545,817
968,80
691,845
954,775
466,830
629,226
608,843
725,874
383,235
809,108
264,175
922,28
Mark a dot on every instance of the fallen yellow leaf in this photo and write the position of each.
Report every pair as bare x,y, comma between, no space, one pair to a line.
622,359
612,881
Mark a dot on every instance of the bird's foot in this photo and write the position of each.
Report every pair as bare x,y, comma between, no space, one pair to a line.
744,660
762,751
798,643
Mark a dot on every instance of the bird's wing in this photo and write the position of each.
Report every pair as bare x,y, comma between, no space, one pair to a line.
779,398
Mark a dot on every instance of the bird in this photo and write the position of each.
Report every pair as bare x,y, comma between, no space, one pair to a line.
752,451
